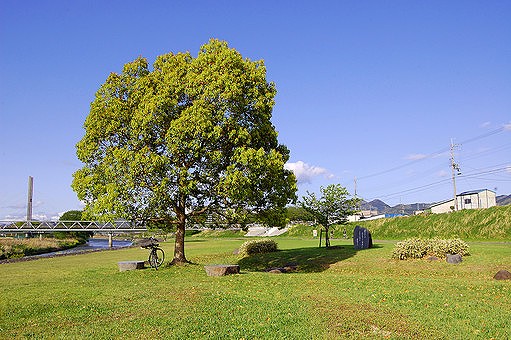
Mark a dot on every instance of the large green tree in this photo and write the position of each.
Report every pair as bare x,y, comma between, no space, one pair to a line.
333,207
192,135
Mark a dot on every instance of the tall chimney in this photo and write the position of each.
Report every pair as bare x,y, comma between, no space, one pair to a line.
30,195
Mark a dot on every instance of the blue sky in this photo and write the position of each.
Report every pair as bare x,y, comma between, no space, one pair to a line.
373,90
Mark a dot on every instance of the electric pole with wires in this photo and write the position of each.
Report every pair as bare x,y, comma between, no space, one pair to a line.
455,169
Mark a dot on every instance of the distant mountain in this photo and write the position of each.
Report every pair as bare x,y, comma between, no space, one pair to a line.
503,200
384,208
409,209
375,205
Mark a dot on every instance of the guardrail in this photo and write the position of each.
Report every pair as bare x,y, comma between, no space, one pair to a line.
51,226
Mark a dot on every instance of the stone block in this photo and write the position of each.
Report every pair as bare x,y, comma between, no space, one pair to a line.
502,275
130,265
362,238
454,259
222,269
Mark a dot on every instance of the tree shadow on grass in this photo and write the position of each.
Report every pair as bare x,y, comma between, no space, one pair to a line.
308,260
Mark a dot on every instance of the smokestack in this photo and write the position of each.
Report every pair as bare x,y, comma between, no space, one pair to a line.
30,195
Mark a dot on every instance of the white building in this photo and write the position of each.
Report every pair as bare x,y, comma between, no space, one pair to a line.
476,199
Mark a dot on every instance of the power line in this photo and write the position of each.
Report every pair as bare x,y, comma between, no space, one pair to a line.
443,150
442,182
488,134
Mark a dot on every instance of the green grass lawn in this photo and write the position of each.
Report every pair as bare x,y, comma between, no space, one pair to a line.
337,293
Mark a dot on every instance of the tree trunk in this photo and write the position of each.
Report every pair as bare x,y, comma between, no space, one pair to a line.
179,244
327,237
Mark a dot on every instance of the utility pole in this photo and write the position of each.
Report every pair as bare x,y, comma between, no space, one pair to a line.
359,204
30,195
455,169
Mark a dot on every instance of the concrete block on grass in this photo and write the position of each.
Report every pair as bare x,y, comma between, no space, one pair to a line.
222,269
130,265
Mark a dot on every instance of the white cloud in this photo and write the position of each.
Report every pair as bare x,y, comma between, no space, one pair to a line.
486,124
416,156
35,216
10,217
507,126
443,173
40,217
305,173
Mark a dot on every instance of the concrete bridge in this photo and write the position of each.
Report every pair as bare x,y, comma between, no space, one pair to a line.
40,227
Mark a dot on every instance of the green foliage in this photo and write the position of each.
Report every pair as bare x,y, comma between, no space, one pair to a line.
296,213
482,224
333,207
416,248
258,247
450,246
81,236
306,230
71,215
186,137
301,230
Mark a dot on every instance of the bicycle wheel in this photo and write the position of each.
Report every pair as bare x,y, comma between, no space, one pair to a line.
156,257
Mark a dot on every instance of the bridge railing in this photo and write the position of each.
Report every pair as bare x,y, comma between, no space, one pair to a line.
50,226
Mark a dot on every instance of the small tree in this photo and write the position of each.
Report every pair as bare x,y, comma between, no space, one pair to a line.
333,207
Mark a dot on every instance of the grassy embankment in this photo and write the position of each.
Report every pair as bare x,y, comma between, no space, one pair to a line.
470,225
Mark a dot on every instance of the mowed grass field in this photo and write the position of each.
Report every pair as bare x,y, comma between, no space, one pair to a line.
337,293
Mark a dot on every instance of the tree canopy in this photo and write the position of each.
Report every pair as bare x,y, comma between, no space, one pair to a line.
189,136
333,207
73,215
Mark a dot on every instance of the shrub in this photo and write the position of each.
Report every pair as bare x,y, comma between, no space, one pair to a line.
416,248
452,246
258,247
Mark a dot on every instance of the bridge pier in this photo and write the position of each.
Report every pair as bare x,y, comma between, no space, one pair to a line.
110,241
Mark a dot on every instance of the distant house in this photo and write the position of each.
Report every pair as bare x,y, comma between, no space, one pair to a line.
362,215
476,199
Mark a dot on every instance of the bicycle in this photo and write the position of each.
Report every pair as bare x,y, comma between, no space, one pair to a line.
156,255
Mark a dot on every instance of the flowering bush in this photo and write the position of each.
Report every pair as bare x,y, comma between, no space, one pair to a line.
416,248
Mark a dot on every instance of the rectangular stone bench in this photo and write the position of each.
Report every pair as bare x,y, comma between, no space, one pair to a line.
130,265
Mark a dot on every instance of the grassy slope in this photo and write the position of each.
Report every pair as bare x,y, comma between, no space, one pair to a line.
484,224
338,293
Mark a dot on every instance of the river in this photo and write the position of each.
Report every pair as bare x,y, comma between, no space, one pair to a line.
92,244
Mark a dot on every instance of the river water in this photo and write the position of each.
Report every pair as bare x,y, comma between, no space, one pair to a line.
92,244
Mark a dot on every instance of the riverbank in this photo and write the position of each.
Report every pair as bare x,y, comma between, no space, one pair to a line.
11,248
47,248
